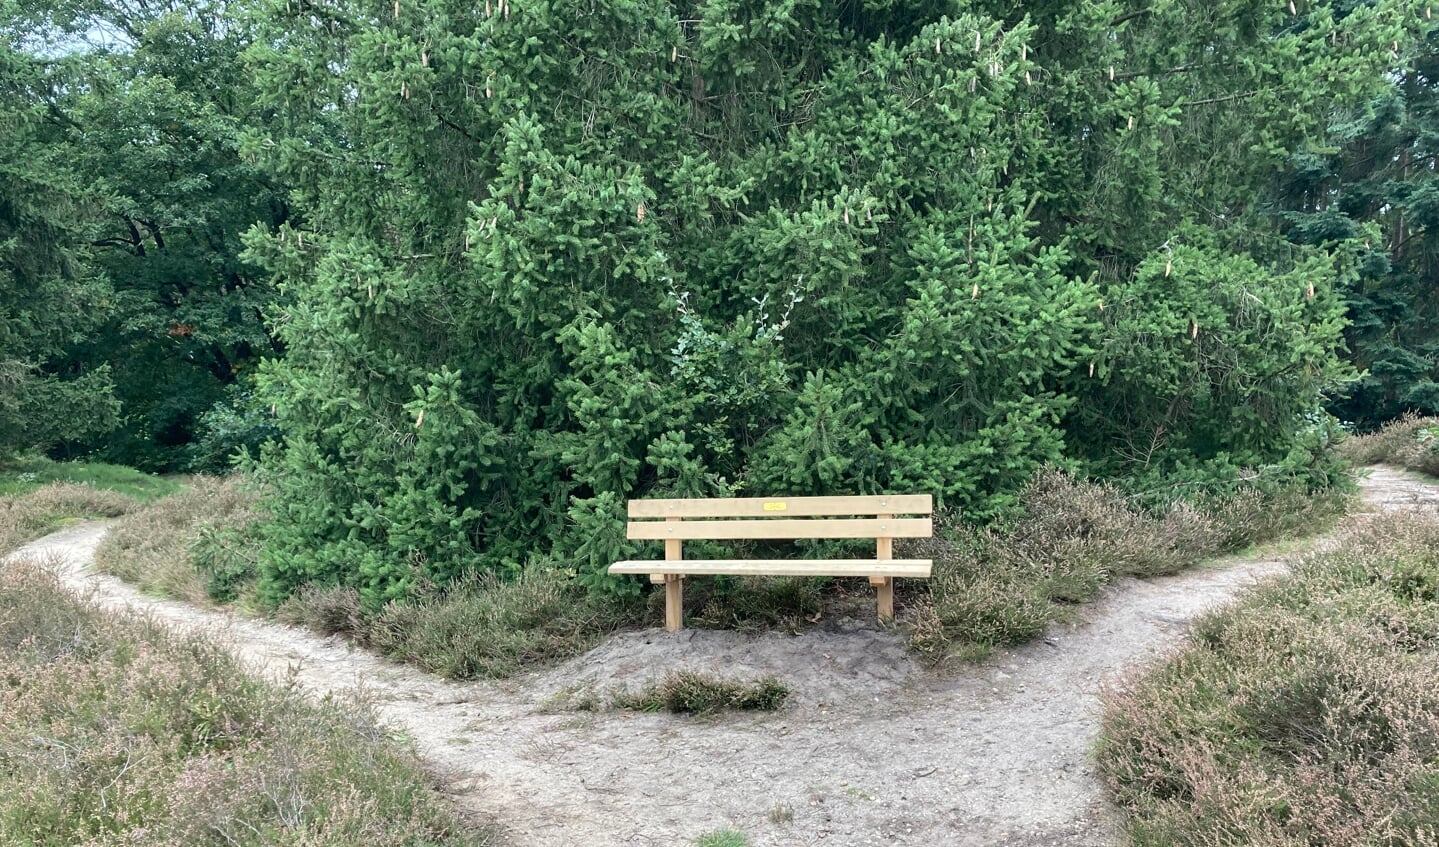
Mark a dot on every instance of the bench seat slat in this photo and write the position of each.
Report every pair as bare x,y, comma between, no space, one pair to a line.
779,507
782,529
779,567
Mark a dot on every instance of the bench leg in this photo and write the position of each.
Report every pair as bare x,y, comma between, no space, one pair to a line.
884,597
674,602
884,586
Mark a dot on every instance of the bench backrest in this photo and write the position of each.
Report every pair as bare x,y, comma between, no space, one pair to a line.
876,516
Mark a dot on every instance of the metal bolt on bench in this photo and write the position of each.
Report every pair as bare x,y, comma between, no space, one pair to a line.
779,518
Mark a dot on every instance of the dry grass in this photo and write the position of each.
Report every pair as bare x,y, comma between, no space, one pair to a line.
1411,442
682,692
197,545
992,587
27,516
1306,714
117,732
481,626
693,692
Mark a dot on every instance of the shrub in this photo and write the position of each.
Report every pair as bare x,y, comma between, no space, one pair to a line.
24,517
328,610
201,544
1306,713
694,692
483,626
1411,442
1070,537
983,594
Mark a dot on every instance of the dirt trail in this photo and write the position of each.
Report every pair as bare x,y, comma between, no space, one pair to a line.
871,750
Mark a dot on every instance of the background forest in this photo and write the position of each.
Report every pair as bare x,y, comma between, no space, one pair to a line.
476,274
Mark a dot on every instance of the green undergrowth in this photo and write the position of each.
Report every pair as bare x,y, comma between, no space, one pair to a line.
1004,585
117,731
24,474
1412,442
201,544
1307,713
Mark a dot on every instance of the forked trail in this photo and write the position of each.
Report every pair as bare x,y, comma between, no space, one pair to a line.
871,749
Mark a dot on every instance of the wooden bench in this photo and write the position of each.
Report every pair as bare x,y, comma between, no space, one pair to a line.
779,518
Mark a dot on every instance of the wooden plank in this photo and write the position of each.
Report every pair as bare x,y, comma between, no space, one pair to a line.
913,568
782,529
674,602
780,507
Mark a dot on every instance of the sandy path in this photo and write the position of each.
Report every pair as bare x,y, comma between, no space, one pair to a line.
871,750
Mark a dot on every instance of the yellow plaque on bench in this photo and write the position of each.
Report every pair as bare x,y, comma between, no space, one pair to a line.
776,507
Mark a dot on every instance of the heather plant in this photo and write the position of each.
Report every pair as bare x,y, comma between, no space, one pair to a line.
482,626
24,517
1069,538
1411,442
698,693
328,610
116,731
198,545
1306,713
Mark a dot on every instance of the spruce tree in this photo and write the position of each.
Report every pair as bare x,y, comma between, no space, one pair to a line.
553,260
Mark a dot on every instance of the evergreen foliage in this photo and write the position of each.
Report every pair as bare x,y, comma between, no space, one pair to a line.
1374,178
552,259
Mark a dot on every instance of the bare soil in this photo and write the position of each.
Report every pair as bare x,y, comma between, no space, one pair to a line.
871,749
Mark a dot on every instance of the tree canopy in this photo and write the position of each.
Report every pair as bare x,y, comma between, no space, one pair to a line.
553,261
49,294
135,115
1374,178
510,265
